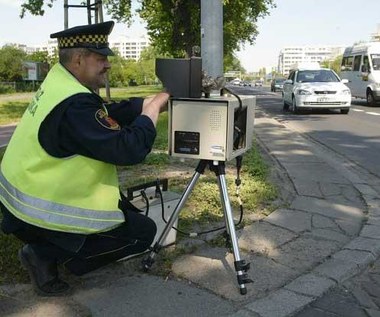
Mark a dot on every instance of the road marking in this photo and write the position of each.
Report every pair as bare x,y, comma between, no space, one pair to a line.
366,112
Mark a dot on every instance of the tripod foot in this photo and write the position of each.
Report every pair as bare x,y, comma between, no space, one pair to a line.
147,263
241,268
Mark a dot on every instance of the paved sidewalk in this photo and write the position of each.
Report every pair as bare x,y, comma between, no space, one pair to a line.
325,235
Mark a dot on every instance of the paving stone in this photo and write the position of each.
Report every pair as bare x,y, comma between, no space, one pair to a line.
281,303
338,270
326,208
351,194
262,237
360,258
371,288
292,220
363,298
315,312
328,234
309,188
373,312
340,302
375,277
244,313
304,252
350,228
332,189
213,269
364,244
326,174
370,231
321,222
366,190
310,285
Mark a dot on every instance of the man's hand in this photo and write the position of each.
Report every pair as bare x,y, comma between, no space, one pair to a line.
154,105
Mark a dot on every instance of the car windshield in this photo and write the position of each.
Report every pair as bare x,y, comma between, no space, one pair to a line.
280,81
375,61
312,76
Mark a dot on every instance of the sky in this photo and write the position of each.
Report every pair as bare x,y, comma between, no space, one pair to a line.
291,23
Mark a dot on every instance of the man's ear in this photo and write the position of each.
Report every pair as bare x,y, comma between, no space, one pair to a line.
75,62
77,58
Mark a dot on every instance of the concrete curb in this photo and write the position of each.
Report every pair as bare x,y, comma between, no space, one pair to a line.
352,259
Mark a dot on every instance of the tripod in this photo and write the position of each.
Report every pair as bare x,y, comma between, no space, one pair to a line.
241,267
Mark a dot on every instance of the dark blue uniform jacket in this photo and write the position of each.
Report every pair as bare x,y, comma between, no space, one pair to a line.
115,133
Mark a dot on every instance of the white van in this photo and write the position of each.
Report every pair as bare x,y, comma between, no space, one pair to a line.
361,66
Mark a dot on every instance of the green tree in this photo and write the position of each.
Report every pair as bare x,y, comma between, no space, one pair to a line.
147,64
43,57
116,73
174,25
119,10
333,64
231,62
131,72
11,59
262,72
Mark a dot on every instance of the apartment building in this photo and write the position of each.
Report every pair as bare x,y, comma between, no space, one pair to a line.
375,37
306,54
129,48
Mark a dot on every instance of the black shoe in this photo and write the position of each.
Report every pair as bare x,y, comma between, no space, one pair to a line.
43,273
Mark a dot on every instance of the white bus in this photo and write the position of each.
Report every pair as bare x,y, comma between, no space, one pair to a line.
361,66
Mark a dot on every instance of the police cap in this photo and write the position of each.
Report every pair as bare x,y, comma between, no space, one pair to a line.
94,37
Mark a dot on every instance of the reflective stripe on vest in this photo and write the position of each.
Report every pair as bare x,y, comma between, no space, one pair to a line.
75,194
66,216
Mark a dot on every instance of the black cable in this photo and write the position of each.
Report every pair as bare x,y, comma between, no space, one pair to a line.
239,160
194,234
143,194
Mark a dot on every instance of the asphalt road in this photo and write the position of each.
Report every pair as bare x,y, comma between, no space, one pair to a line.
355,136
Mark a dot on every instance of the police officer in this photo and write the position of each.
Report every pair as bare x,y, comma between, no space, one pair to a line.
59,188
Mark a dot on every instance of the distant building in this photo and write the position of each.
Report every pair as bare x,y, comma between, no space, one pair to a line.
306,54
375,37
129,48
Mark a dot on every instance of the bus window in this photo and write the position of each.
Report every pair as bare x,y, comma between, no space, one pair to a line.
375,61
347,63
357,60
365,67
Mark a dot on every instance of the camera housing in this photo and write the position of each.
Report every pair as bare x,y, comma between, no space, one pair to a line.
218,128
182,77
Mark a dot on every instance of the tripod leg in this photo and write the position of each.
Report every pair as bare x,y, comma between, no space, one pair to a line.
148,262
240,266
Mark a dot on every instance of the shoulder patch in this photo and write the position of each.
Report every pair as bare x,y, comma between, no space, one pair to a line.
106,121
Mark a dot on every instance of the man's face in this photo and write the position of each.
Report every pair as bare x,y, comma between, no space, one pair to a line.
92,70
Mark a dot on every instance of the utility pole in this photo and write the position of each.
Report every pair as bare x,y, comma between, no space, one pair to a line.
97,7
212,37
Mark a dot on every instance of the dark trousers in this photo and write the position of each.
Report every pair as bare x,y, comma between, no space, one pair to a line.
95,250
132,237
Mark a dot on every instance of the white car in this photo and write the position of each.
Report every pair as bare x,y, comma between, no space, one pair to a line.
316,88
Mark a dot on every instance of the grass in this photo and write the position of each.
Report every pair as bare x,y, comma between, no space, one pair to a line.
12,106
203,208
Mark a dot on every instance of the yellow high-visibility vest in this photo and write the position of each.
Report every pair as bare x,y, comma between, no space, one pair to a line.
75,194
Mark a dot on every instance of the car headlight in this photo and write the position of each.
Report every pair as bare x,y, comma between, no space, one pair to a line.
303,92
377,85
346,92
